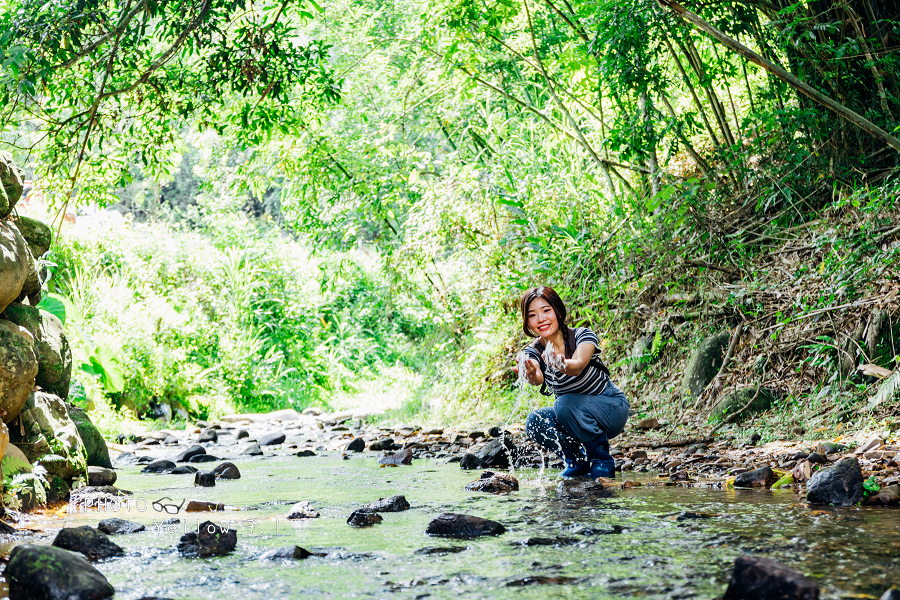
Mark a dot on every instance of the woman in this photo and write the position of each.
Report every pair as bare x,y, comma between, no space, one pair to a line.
589,409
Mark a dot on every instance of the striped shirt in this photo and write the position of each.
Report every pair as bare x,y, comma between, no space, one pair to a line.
591,381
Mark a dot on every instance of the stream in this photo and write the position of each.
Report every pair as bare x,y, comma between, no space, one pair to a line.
652,541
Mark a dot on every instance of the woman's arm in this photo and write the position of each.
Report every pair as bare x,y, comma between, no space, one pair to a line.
533,373
580,359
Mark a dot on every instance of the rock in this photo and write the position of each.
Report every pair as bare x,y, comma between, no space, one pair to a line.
758,578
94,444
872,443
252,449
205,479
302,510
38,236
190,453
288,552
403,457
51,437
647,424
889,496
392,504
754,437
817,459
89,541
574,488
463,526
763,477
494,432
203,458
119,526
18,364
208,540
357,445
15,263
364,517
208,435
50,346
734,401
272,439
493,483
227,470
159,466
45,572
704,364
827,448
204,506
242,433
841,485
11,184
304,453
101,476
183,470
470,461
14,461
497,453
440,550
382,444
641,356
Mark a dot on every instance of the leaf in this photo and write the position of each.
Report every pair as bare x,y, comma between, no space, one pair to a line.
786,479
887,390
110,369
54,306
873,370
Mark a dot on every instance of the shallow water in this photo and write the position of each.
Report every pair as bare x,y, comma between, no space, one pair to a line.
661,553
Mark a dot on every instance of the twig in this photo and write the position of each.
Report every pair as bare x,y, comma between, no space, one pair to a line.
696,262
733,417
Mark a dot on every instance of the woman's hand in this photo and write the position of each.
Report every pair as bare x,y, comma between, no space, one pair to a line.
533,373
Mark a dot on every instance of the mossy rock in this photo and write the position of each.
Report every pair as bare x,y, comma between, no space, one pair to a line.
704,364
97,452
641,355
37,235
11,184
51,437
51,346
735,401
18,368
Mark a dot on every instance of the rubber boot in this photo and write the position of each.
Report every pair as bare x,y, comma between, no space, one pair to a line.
602,468
602,464
577,462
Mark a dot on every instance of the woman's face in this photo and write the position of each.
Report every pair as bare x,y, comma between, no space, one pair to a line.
541,318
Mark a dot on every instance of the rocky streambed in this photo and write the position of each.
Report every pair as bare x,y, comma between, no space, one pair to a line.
296,513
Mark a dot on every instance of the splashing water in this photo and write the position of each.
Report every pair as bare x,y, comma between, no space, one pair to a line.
553,360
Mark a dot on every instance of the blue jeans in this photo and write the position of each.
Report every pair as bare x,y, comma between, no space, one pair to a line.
578,419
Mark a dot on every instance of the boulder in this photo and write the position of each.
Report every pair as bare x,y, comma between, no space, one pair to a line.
100,476
50,344
758,578
208,540
641,356
497,453
14,267
841,485
11,184
252,449
183,470
94,444
392,504
737,399
288,552
357,445
305,453
203,506
241,434
469,462
18,367
45,572
302,510
88,541
763,477
889,496
494,483
208,435
226,470
463,526
203,458
38,236
190,453
705,362
51,438
119,526
382,444
205,479
364,517
31,288
159,466
272,439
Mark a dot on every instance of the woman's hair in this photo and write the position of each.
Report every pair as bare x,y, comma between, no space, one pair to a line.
549,294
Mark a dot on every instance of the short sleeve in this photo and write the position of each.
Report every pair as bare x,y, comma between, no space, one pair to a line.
583,335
